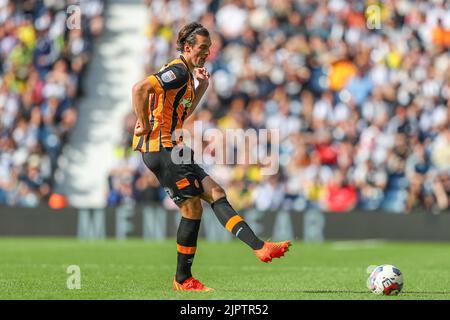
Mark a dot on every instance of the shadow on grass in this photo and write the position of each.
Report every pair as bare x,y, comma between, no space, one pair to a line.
331,291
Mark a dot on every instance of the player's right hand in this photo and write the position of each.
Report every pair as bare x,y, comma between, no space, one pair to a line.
141,129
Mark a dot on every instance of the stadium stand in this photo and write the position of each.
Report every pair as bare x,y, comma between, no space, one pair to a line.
84,164
42,66
363,113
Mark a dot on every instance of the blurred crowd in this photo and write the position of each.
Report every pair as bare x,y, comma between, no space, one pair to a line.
44,48
359,91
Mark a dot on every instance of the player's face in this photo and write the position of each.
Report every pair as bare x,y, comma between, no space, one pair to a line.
200,51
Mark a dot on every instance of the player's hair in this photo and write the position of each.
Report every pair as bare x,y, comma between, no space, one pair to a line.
187,34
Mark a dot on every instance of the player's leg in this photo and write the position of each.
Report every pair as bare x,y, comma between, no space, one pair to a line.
185,193
234,223
228,217
187,234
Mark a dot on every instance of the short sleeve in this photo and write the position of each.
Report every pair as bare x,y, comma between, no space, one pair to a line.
173,77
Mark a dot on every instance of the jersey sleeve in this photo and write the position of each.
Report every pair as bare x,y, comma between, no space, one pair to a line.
173,77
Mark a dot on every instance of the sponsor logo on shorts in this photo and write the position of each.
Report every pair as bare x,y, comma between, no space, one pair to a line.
183,183
169,192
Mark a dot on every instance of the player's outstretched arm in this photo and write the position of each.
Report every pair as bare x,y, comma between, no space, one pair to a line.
140,93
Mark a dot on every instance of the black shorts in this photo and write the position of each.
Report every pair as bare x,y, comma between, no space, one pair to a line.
180,181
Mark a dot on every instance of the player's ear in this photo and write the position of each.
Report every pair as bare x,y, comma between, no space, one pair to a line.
187,48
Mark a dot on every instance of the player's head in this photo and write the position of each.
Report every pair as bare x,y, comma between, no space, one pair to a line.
194,42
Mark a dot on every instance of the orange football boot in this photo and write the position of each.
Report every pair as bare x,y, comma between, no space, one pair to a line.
272,250
190,284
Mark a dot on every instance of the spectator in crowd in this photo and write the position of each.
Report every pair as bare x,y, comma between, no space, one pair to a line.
41,67
363,113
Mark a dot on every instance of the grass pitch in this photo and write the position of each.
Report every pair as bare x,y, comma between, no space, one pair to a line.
36,268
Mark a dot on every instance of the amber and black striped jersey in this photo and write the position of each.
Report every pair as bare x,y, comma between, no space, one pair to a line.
169,106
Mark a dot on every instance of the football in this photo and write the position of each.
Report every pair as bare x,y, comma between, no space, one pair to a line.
385,280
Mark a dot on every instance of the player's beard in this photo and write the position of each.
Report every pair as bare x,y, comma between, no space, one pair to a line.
201,63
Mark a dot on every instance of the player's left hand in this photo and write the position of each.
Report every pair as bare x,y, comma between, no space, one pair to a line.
202,75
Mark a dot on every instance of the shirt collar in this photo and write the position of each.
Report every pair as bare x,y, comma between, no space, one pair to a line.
185,62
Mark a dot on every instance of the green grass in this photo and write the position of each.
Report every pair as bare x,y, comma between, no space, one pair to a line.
35,268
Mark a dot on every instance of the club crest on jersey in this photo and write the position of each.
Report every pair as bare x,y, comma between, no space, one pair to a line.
168,76
187,103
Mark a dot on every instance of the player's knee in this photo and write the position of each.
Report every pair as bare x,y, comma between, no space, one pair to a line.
217,193
192,209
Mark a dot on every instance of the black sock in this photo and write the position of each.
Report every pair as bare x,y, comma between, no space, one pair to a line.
186,246
235,223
